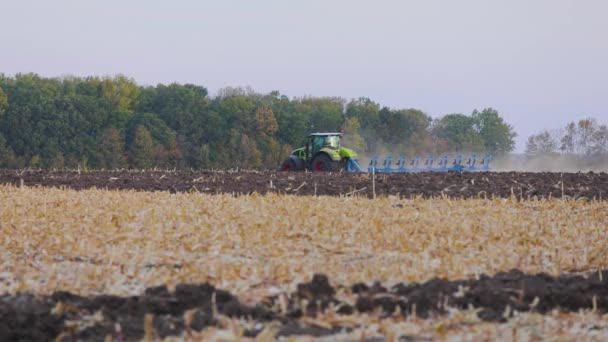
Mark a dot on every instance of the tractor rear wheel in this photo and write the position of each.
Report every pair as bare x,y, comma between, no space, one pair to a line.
288,165
323,163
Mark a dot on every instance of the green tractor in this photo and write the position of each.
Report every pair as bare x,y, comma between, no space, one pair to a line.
322,153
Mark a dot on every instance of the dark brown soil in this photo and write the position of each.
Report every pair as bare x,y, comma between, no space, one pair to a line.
194,307
522,185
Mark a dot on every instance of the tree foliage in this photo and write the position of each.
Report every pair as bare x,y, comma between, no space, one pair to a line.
497,136
585,137
111,150
352,138
542,143
6,154
481,131
142,148
3,102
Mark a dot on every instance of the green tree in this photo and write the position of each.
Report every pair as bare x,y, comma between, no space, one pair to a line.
367,113
201,158
292,126
158,129
58,162
3,102
400,129
237,112
352,139
7,157
323,114
168,155
142,149
24,123
70,129
35,162
270,150
498,136
457,131
249,155
183,108
111,150
120,92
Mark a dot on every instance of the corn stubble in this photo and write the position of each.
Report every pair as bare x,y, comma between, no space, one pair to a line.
120,242
98,241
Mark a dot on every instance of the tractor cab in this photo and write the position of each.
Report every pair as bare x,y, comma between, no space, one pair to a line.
318,141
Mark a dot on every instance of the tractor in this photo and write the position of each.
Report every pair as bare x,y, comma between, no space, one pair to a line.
322,153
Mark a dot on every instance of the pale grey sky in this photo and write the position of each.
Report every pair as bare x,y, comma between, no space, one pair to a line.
540,63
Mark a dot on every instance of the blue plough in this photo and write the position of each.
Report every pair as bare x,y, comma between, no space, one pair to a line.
415,164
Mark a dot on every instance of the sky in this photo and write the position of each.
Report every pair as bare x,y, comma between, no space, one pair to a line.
540,63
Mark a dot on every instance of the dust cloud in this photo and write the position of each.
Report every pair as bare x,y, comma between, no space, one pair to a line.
550,163
506,163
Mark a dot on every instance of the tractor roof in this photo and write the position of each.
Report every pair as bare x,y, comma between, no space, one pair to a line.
325,134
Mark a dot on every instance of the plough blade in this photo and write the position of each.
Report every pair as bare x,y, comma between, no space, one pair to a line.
431,164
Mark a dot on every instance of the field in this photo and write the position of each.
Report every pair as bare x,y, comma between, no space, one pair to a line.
523,185
432,256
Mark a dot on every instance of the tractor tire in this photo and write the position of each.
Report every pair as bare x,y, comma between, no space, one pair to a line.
323,163
292,164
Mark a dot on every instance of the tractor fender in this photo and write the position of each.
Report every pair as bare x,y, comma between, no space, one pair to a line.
299,153
333,154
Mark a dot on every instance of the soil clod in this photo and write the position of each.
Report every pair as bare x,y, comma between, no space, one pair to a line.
198,306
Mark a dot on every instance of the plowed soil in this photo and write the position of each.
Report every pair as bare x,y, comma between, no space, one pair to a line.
522,185
188,308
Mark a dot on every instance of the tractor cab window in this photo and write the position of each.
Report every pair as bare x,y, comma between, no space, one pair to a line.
332,141
319,142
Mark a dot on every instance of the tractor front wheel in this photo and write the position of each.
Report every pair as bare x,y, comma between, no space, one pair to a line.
323,163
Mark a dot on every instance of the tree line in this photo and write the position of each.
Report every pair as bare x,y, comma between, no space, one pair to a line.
585,137
112,122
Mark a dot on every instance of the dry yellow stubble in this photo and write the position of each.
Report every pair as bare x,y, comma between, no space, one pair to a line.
99,241
465,326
